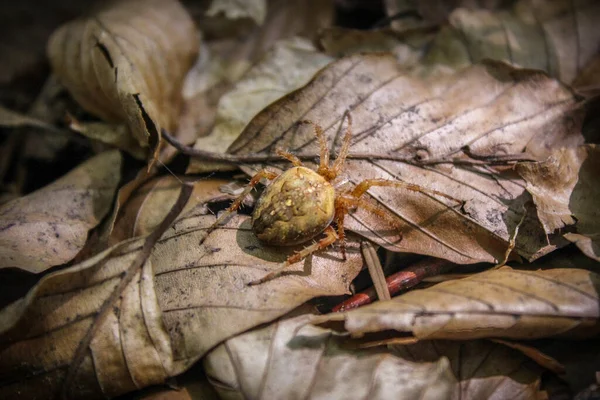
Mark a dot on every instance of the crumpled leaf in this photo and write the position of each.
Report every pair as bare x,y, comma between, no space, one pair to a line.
127,64
432,133
190,295
282,361
564,186
290,360
49,227
552,182
503,303
255,9
287,66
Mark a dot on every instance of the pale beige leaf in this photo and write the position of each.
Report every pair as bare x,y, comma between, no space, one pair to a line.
50,226
500,303
191,294
282,361
234,9
127,63
424,132
287,66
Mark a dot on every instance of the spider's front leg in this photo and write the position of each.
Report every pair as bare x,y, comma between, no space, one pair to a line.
329,239
263,173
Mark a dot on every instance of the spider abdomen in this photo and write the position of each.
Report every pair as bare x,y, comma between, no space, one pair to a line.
294,208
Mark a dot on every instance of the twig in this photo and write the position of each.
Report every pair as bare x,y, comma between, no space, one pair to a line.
259,158
128,275
402,280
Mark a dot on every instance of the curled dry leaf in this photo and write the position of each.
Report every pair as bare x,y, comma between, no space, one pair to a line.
288,359
552,185
289,65
190,295
282,361
503,303
127,64
50,226
564,186
438,134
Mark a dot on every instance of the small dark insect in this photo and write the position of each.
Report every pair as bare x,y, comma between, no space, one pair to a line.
301,203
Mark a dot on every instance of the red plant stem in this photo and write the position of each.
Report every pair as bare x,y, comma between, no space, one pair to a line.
402,280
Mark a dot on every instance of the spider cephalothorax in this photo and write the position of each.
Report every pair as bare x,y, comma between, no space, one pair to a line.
301,203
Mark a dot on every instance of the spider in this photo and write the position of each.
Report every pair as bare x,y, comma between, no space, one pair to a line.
301,203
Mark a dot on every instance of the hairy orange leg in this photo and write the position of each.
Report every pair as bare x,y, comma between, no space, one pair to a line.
323,169
341,158
263,173
290,157
329,239
355,202
365,185
340,212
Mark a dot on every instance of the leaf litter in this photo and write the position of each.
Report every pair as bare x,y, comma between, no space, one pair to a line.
507,142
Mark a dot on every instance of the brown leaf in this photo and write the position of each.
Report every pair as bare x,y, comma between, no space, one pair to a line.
152,201
427,133
500,303
190,295
127,63
289,360
282,361
50,226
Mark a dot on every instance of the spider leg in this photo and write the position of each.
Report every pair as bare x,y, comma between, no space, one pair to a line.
341,158
323,169
290,157
263,173
351,202
365,185
340,212
330,238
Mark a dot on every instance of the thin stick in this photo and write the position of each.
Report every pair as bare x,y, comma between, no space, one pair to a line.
261,158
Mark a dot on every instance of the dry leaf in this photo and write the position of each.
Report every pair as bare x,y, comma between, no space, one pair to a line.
191,294
50,226
152,201
427,133
287,360
484,370
289,65
127,63
559,37
282,361
255,9
564,186
503,303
